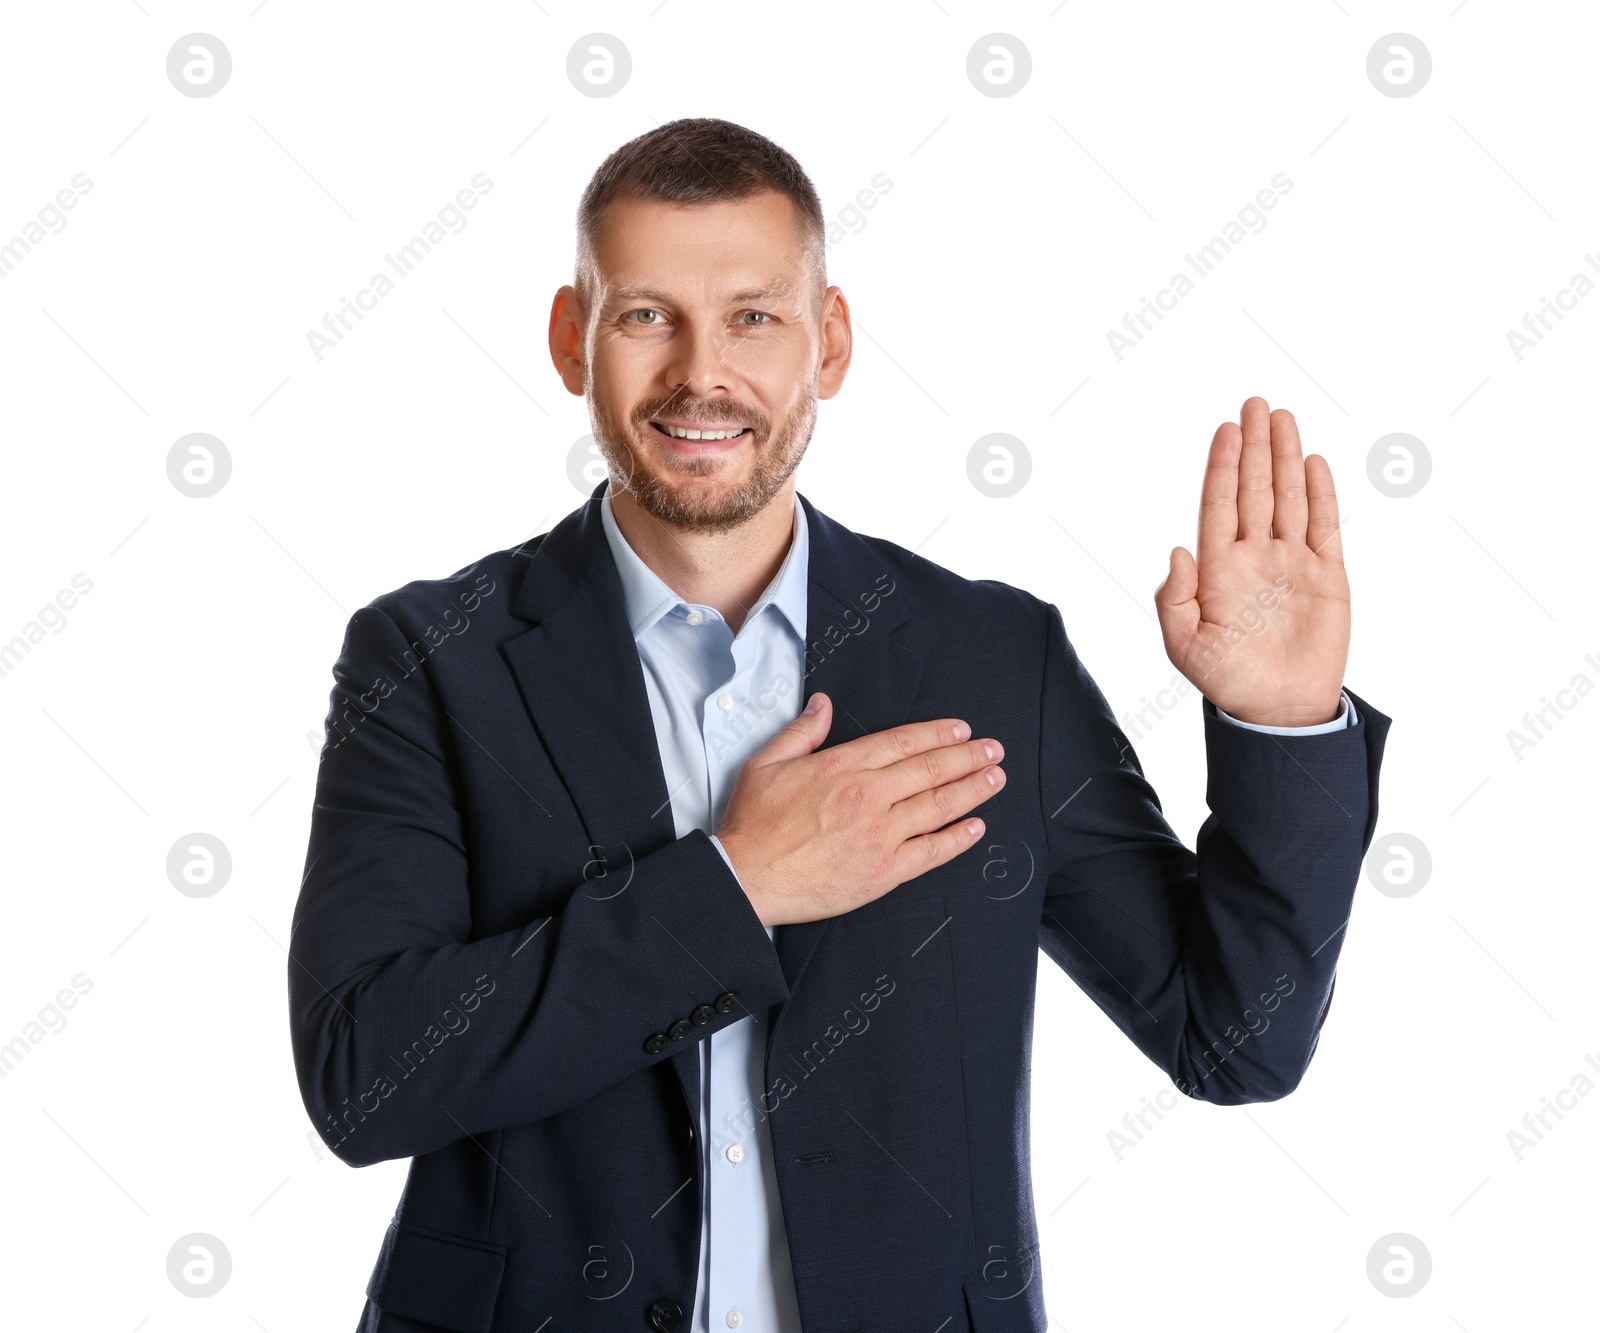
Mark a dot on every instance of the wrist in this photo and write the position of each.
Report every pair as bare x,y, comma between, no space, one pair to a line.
739,861
1289,716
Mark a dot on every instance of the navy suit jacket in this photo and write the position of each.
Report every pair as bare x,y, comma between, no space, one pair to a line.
497,920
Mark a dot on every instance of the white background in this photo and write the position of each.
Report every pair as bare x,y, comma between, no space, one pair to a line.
179,695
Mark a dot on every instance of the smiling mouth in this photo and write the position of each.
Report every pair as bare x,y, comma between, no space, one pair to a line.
698,430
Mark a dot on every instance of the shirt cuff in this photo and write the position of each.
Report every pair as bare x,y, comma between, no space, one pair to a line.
1347,718
723,851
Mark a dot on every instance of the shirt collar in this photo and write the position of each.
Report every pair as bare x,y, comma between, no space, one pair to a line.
646,597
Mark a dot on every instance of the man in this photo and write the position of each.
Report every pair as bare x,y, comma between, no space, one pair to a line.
697,1010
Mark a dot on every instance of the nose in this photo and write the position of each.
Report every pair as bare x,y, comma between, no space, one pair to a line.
698,363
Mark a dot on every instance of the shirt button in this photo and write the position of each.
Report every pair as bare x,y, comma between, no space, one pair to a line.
735,1153
734,1318
724,702
694,617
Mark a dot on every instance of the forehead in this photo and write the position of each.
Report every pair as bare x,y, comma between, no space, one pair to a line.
716,250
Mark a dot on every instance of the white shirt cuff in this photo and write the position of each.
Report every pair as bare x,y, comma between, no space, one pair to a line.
723,852
1347,718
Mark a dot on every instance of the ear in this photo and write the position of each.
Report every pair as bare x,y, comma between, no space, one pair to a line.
567,325
836,343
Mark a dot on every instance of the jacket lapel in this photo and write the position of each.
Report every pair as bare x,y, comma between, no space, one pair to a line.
579,674
580,677
854,605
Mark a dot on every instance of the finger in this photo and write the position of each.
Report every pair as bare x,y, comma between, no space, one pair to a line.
916,856
1219,492
800,737
929,810
1322,532
1255,470
879,749
1177,606
1288,478
936,767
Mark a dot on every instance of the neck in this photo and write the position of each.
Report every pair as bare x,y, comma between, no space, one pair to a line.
726,570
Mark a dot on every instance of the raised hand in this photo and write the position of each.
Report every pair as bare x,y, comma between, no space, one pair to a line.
1260,623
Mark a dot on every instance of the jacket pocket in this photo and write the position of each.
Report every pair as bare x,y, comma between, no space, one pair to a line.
437,1279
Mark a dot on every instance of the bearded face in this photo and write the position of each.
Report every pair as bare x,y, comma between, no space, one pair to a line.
702,464
703,339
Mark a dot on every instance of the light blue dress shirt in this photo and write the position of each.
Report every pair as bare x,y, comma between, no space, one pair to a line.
717,697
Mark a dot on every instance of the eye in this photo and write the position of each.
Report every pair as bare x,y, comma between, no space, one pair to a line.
754,319
649,318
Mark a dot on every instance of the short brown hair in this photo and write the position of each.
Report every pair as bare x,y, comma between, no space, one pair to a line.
698,161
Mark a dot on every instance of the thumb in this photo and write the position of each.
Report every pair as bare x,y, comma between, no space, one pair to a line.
801,736
1176,605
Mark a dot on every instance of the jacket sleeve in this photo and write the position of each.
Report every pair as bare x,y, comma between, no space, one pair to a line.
410,1032
1218,963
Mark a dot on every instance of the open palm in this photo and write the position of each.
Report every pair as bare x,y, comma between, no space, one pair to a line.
1260,623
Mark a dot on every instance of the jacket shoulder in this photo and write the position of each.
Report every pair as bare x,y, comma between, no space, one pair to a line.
483,587
951,597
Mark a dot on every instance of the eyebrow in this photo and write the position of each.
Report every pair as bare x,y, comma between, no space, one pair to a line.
637,294
622,294
758,293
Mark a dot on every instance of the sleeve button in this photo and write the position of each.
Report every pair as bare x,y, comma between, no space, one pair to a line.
727,1002
655,1043
679,1029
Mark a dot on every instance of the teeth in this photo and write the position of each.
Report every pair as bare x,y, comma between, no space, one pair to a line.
679,432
